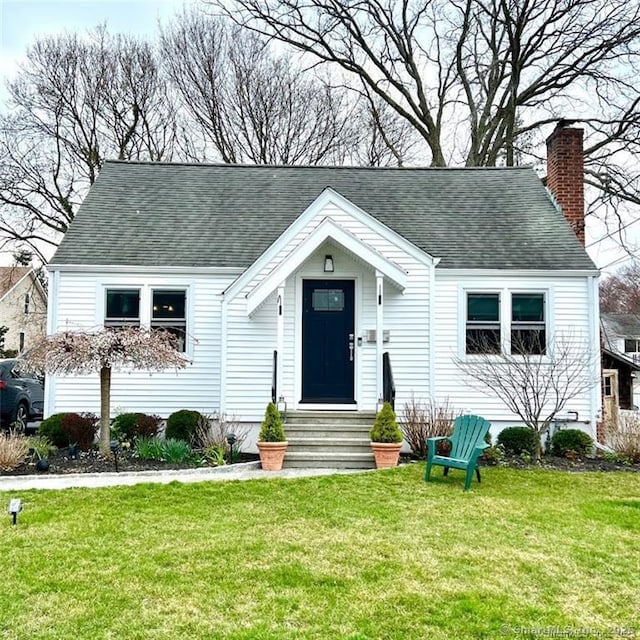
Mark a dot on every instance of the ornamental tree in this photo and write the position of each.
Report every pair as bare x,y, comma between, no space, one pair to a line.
82,352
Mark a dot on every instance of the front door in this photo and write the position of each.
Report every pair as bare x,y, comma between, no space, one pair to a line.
328,341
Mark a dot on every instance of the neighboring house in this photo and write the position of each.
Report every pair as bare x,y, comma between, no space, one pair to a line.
328,267
23,307
620,360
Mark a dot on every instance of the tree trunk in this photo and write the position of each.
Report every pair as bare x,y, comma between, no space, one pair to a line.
105,401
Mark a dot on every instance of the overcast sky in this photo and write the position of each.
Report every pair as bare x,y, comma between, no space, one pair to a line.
21,21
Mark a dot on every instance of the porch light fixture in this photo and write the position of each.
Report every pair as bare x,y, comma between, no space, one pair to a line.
328,264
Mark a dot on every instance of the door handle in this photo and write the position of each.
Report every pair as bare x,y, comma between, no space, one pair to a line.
351,344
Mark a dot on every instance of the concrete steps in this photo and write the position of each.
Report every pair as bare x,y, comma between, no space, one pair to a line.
335,439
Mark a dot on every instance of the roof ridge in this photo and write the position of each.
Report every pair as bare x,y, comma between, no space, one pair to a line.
156,163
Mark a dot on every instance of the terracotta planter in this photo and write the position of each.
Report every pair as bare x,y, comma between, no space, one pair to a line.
272,455
386,454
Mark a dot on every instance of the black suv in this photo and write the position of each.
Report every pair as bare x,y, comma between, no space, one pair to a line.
21,396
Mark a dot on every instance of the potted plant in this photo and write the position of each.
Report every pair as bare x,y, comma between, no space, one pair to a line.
386,438
272,442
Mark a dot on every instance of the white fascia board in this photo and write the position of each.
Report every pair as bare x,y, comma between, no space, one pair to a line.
566,273
326,230
146,269
327,197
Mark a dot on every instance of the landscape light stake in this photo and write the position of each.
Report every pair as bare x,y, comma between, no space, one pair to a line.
114,445
15,507
231,439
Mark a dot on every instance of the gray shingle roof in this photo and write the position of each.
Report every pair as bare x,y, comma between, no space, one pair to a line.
620,325
227,215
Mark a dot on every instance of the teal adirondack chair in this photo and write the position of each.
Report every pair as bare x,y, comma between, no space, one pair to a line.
467,445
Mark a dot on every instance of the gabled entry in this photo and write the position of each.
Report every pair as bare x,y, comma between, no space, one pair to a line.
328,348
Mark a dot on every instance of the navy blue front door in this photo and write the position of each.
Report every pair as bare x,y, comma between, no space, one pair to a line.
328,341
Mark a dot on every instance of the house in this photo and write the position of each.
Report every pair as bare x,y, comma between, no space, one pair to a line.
620,362
291,282
23,308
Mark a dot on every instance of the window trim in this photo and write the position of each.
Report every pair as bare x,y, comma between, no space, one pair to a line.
121,321
171,323
505,292
544,325
469,324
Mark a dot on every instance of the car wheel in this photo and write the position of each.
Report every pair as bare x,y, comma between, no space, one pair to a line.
19,422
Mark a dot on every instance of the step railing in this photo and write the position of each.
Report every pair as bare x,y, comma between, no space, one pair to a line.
388,385
274,378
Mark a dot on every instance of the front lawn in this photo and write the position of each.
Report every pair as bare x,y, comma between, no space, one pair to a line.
376,555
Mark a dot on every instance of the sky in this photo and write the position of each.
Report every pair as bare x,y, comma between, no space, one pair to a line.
21,21
24,20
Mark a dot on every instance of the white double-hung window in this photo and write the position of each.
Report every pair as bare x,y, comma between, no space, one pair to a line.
505,321
168,312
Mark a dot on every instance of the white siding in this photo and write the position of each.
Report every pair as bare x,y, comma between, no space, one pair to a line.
567,312
80,304
252,340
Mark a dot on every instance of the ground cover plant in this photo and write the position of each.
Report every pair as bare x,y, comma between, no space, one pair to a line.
374,555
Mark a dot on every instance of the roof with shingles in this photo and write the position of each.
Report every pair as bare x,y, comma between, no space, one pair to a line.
10,276
206,215
620,325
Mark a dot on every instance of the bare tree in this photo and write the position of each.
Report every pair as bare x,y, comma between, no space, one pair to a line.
480,80
81,352
252,104
620,292
533,379
75,101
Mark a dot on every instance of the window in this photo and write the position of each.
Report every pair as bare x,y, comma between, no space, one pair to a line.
631,345
528,330
21,344
122,308
27,302
328,300
168,311
483,323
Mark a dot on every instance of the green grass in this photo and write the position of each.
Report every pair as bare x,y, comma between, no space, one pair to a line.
379,555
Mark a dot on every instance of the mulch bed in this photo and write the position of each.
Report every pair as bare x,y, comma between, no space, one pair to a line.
92,462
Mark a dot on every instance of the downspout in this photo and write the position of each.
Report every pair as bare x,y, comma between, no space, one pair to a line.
594,340
432,327
223,353
379,337
52,326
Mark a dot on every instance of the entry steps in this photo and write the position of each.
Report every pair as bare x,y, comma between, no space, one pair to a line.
329,439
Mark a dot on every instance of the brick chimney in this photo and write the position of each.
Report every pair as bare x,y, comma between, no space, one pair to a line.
565,174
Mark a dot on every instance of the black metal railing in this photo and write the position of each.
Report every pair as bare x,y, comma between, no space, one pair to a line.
274,377
388,385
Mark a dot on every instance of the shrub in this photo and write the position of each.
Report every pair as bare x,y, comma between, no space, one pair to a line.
385,428
211,437
182,425
41,447
80,429
51,429
625,438
177,451
571,440
13,450
518,440
129,426
424,420
493,455
170,450
271,429
149,448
